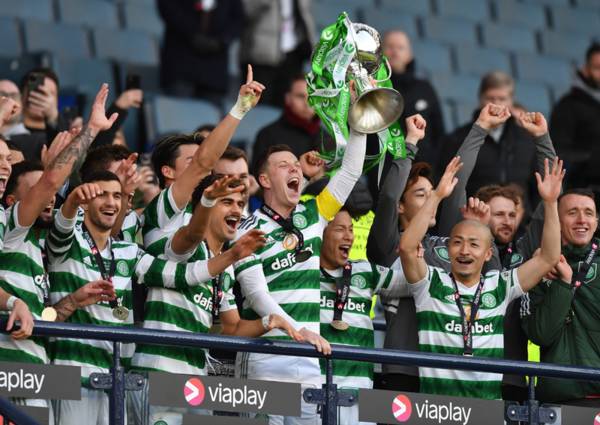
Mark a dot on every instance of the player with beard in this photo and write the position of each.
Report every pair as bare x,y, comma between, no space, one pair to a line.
196,304
462,312
78,254
283,276
22,271
351,324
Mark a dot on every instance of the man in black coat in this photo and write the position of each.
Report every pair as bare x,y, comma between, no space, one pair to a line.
508,153
298,127
575,123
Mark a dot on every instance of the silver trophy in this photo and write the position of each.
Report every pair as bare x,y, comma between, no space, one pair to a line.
375,108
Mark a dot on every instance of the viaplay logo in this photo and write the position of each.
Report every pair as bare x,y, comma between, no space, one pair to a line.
194,391
401,408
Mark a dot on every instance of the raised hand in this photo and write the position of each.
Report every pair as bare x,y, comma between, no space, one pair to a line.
98,121
81,195
492,116
251,91
549,188
60,142
128,174
278,322
224,186
415,128
8,109
94,292
476,210
131,98
534,122
21,313
448,180
43,102
311,163
250,242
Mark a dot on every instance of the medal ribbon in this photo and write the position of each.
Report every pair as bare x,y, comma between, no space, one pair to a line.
467,323
288,226
108,276
217,289
45,279
342,290
579,277
507,257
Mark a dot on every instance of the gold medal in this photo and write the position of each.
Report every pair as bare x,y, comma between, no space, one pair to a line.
340,325
290,241
120,313
49,314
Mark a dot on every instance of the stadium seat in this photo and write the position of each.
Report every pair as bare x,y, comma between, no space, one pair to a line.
60,39
528,15
89,13
460,88
449,116
559,90
464,111
405,7
85,75
126,46
534,97
140,17
450,30
507,37
15,68
592,4
564,45
326,13
478,61
550,2
27,9
473,10
174,115
543,69
256,119
582,21
149,76
10,41
383,22
431,56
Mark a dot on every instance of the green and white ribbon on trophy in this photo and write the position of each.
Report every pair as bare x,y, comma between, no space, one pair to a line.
336,60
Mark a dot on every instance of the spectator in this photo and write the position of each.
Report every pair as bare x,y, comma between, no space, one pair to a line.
575,126
561,315
508,152
15,124
278,37
194,55
298,125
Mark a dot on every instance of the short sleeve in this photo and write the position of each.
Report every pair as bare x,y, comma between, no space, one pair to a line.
14,233
228,301
514,290
420,289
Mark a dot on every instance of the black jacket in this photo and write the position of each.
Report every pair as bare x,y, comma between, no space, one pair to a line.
575,130
195,42
511,160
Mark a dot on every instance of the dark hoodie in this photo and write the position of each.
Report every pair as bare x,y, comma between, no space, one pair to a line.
575,130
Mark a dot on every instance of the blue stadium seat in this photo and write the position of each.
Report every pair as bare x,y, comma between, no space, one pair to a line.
550,2
473,10
559,91
326,13
175,115
383,22
583,21
460,88
465,111
478,61
149,76
529,15
449,116
405,7
15,68
507,37
140,17
592,4
85,75
450,30
126,46
90,13
532,67
564,45
60,39
259,117
534,97
27,9
10,41
431,56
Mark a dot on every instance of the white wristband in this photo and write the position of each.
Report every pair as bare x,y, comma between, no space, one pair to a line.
265,322
241,107
10,303
207,203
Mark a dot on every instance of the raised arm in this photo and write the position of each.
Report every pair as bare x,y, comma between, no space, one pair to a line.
536,125
491,116
413,265
384,234
64,151
130,180
211,149
532,271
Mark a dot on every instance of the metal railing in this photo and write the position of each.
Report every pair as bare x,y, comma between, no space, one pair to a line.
119,335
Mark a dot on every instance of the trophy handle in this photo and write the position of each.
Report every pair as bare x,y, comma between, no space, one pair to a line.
389,71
